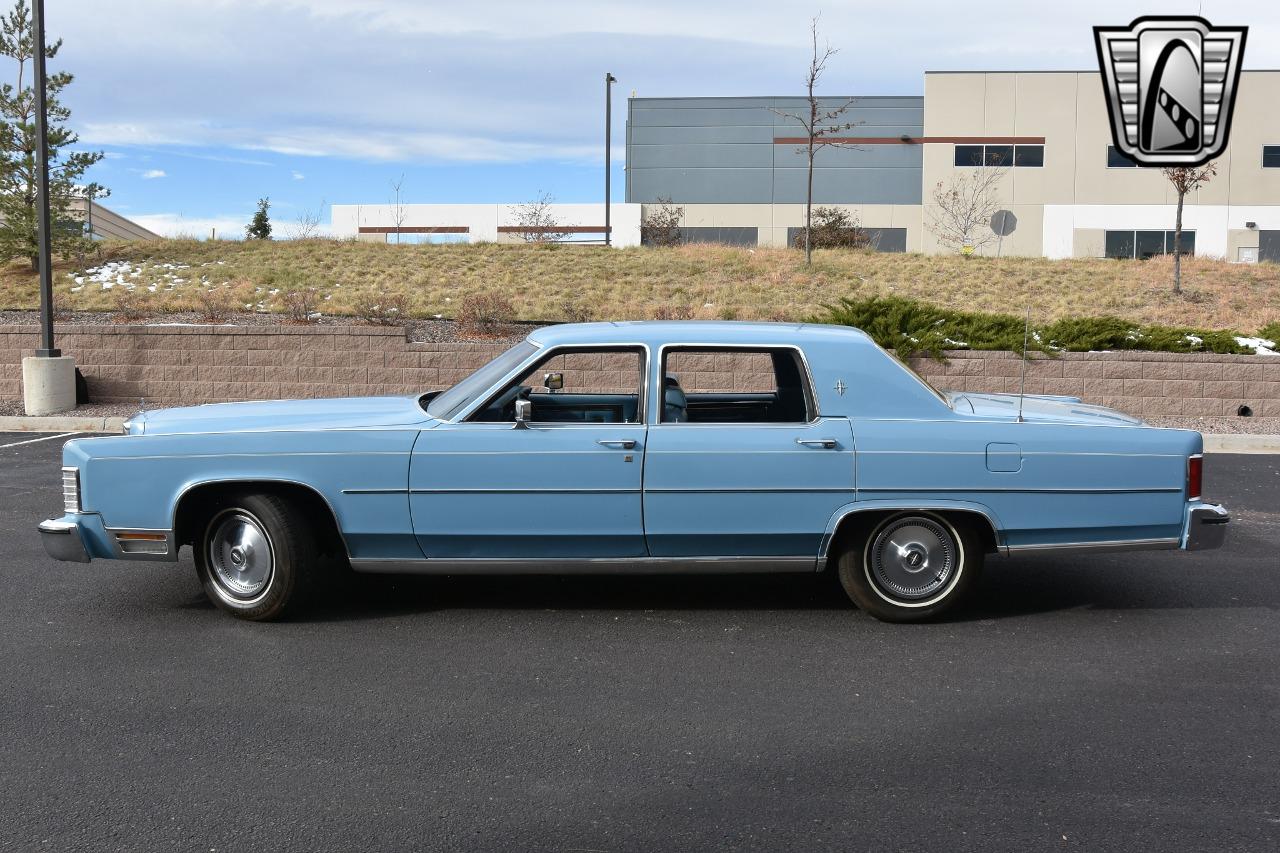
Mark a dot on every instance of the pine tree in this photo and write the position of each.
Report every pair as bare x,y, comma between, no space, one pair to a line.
260,226
18,150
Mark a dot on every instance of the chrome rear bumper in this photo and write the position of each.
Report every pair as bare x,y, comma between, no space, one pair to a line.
62,540
1206,527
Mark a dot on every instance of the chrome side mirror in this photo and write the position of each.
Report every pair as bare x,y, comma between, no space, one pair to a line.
524,413
553,381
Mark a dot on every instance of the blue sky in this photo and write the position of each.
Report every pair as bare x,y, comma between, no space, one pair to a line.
203,106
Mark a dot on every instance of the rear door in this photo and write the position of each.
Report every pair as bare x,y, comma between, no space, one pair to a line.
739,461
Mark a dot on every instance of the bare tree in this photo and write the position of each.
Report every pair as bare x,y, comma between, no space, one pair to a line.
536,220
962,209
661,224
307,225
1185,179
398,214
819,126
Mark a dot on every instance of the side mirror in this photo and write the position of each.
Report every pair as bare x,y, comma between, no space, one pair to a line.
524,413
553,381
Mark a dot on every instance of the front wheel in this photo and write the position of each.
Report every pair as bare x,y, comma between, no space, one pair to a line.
911,567
255,556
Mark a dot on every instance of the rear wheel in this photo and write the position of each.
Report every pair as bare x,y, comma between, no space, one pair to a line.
255,556
911,567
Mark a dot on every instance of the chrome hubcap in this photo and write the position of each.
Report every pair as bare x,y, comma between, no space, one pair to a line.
913,558
240,555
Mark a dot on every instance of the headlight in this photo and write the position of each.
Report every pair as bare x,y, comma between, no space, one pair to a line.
71,489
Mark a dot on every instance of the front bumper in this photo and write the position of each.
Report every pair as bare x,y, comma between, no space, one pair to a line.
1206,527
62,540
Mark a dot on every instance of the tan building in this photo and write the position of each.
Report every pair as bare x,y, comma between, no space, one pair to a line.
733,165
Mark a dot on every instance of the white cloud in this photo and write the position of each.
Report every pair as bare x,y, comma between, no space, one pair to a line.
178,225
298,176
152,174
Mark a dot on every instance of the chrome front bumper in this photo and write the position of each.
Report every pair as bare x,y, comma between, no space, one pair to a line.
62,540
1206,527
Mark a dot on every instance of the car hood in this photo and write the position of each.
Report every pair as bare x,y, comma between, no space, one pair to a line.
1039,407
338,413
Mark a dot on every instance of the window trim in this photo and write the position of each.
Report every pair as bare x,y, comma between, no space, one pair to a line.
984,145
1133,164
1168,237
543,353
812,405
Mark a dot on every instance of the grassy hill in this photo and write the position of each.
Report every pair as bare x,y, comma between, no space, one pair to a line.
555,282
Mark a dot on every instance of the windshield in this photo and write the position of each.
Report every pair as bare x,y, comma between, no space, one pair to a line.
449,403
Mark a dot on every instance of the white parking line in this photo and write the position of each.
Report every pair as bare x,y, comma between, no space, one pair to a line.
34,440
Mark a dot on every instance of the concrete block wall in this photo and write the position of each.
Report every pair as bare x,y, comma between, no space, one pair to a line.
177,365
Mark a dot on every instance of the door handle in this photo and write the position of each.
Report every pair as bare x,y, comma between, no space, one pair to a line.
824,443
619,443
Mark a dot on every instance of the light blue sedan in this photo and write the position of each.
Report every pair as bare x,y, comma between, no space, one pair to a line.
638,447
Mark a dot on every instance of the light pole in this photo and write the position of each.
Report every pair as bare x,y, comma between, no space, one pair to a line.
42,187
48,379
609,80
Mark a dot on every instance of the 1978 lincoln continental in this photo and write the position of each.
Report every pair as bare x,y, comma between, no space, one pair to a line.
638,447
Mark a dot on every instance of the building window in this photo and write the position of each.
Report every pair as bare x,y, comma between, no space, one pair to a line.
1146,244
726,235
1117,159
999,155
1271,156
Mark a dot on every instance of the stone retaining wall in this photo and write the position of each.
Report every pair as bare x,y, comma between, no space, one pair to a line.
170,365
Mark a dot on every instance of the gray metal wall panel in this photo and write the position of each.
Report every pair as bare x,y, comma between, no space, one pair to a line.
865,156
719,186
849,186
701,117
666,135
722,151
701,156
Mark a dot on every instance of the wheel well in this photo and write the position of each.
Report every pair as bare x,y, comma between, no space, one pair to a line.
198,504
858,524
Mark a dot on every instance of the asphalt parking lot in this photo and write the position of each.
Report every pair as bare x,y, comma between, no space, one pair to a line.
1117,702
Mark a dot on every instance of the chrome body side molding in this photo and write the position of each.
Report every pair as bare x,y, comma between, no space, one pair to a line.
579,566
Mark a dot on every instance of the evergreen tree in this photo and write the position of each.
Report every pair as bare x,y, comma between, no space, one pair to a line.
260,226
18,150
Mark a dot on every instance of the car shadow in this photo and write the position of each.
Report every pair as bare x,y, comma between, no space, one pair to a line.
1009,588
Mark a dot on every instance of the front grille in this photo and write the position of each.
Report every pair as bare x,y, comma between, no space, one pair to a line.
71,489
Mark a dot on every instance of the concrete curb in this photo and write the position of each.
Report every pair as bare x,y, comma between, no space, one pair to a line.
1241,443
1213,443
60,423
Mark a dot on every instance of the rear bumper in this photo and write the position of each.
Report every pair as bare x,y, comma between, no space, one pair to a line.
1206,527
62,540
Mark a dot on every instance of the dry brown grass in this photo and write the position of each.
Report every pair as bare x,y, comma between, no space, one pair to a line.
544,282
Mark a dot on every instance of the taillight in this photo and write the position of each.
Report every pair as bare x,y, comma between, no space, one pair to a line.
1195,476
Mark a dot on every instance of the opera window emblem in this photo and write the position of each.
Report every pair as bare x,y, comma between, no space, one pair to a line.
1170,84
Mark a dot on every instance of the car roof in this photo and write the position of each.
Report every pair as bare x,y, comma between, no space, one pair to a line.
699,332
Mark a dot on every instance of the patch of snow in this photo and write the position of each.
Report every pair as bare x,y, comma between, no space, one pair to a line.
1260,346
1194,340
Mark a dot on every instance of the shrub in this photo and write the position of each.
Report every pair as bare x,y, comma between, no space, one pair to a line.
834,228
483,314
1270,332
910,327
382,309
301,304
661,224
130,304
214,305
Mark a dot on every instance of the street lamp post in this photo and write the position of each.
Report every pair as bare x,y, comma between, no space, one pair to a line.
45,252
609,80
48,379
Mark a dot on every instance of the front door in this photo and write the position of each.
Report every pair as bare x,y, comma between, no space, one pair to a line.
563,485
